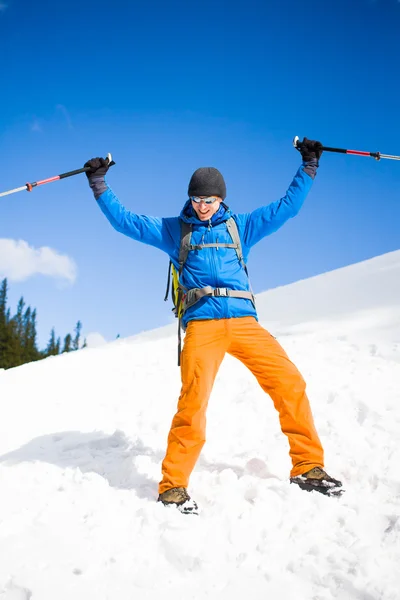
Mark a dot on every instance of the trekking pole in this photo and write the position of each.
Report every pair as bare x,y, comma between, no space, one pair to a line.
377,155
29,186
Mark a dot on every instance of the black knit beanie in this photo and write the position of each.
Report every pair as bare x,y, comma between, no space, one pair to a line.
207,181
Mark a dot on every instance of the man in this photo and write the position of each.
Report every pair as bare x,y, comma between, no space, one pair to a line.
224,320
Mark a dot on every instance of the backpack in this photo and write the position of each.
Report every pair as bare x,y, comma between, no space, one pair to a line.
182,298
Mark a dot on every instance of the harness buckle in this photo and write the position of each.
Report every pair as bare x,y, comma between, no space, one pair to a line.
221,292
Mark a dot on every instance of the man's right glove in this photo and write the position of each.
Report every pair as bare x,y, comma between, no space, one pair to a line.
310,150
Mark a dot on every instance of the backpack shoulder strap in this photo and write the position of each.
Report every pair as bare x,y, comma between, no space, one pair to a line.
186,234
232,228
184,247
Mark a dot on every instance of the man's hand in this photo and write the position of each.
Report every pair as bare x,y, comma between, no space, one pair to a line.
310,150
98,167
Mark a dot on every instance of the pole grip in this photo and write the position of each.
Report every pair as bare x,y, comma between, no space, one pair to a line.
296,142
28,187
377,155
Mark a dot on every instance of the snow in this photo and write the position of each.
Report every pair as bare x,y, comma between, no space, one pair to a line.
82,437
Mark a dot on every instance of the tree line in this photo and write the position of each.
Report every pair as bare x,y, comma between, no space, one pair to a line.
18,336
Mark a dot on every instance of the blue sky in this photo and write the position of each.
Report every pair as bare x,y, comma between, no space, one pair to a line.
169,87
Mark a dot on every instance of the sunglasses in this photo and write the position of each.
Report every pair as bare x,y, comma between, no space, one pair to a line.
208,200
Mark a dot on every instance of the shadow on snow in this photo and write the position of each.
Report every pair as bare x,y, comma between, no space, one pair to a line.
110,456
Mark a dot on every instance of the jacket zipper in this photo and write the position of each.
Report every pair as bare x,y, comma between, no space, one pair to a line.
212,261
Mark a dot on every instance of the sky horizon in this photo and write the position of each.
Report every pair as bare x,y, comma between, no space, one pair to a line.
167,89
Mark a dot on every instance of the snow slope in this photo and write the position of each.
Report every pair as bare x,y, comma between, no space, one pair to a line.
82,437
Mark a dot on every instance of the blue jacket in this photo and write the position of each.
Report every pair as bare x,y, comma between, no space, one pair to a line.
217,267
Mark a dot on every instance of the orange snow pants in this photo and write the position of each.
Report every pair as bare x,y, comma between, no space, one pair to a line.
205,345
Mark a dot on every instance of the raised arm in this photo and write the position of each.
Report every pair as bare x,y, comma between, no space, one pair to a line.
142,228
267,219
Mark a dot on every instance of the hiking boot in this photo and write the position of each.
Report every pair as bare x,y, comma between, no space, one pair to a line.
318,480
181,499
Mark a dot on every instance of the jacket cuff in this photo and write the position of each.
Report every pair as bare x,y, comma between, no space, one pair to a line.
310,167
98,186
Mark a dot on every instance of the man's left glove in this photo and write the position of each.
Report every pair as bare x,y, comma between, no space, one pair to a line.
310,150
98,167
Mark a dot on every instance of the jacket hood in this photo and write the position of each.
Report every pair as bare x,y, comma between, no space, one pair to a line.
189,215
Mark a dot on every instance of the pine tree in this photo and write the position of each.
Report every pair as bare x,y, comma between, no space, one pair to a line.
33,341
30,350
67,343
16,343
14,347
3,323
26,326
19,318
3,299
18,335
76,341
10,348
52,349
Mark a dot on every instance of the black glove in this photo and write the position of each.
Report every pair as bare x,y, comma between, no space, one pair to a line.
310,150
95,174
98,167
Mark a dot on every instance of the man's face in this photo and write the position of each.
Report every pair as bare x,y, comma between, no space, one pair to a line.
205,211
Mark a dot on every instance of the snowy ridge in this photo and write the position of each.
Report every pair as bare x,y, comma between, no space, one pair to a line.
83,435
